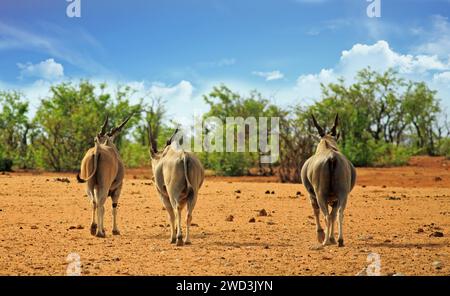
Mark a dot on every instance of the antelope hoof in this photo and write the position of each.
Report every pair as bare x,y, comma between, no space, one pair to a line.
173,240
340,242
116,232
100,234
332,240
326,243
187,242
93,229
320,235
179,243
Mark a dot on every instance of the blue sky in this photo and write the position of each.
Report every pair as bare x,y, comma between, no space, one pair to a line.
179,49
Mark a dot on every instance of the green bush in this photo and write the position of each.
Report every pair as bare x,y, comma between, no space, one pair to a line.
360,152
390,155
444,147
71,116
6,165
135,154
370,153
226,164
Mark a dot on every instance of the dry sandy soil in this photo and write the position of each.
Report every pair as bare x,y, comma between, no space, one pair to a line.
393,212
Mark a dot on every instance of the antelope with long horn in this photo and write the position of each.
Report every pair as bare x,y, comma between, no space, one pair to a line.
329,177
178,176
103,171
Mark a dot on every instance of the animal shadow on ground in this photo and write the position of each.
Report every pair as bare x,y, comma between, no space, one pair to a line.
407,245
248,244
164,235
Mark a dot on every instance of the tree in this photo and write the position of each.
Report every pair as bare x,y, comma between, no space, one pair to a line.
421,109
224,103
14,127
136,153
69,119
380,114
154,116
296,144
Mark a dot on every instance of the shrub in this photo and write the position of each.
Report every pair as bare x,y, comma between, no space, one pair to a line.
444,147
227,164
6,165
135,154
360,152
370,153
390,155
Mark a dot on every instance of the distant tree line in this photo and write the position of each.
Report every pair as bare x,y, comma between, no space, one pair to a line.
65,124
384,121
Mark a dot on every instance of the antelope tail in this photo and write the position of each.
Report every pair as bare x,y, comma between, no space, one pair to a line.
79,179
95,160
190,189
331,166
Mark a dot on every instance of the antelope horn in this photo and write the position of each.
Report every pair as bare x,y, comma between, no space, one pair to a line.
104,125
152,142
318,127
119,128
336,122
171,138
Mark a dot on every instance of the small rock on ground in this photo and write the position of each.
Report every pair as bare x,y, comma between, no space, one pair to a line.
230,218
437,264
437,234
262,213
64,180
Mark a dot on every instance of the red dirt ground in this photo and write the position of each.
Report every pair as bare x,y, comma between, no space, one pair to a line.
392,212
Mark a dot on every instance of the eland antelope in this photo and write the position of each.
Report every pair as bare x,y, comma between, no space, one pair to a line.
103,170
329,177
178,176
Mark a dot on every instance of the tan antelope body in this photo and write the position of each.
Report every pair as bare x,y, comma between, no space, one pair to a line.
178,177
103,171
328,176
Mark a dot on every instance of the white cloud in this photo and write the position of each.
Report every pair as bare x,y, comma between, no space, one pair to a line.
443,77
56,45
33,92
183,101
380,57
309,84
137,86
48,69
438,42
179,92
269,76
180,99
